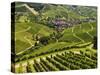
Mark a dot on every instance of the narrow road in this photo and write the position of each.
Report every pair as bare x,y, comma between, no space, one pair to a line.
29,8
76,35
73,29
89,34
24,50
24,30
78,38
91,27
28,40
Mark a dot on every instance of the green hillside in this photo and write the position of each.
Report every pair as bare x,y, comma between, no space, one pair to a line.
50,37
79,33
25,33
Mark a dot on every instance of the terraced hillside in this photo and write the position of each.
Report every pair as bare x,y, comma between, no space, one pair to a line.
58,37
80,33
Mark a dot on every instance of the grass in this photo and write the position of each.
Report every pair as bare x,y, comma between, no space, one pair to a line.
85,37
26,31
50,47
80,31
20,46
69,38
93,33
86,26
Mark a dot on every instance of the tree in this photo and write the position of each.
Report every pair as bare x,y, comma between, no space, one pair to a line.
44,40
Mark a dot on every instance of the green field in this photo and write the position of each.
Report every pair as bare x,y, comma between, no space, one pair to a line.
24,33
51,37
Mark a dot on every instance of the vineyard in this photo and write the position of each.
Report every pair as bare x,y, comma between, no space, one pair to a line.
50,37
64,61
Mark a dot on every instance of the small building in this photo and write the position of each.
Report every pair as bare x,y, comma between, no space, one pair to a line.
60,24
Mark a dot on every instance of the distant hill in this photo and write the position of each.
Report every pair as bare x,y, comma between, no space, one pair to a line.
52,11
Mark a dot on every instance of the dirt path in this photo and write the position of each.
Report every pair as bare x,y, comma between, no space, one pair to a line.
24,30
89,34
76,35
28,40
78,38
73,29
91,27
24,50
29,8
